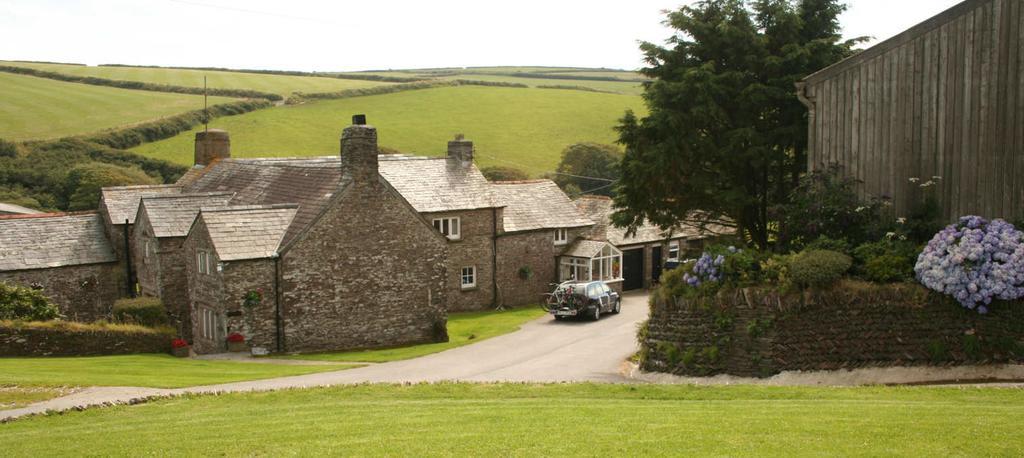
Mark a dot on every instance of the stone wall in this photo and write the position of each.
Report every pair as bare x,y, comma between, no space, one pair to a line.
535,250
172,283
257,322
83,293
76,340
473,248
754,332
145,257
205,291
370,272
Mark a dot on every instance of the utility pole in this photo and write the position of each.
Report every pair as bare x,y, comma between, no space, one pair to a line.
206,107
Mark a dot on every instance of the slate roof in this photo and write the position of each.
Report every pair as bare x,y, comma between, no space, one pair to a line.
53,240
429,184
583,248
536,204
247,232
172,215
11,209
436,184
122,202
599,209
306,183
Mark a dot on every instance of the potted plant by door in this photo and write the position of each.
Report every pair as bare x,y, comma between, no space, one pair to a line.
179,348
236,342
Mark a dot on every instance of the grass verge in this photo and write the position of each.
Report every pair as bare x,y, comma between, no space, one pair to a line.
13,397
146,370
463,329
543,420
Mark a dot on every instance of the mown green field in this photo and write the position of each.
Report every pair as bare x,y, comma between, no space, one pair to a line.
542,420
39,108
148,370
527,128
463,329
278,84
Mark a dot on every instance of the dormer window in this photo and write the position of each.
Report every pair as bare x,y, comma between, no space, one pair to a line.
449,227
561,236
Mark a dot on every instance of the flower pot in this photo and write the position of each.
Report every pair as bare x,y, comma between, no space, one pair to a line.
236,347
181,352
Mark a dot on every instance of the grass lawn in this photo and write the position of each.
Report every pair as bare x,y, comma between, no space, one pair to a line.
543,420
528,128
622,87
38,108
277,84
149,370
13,397
463,329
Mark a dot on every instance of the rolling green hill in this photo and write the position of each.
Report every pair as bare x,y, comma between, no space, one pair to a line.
277,84
621,87
527,128
38,108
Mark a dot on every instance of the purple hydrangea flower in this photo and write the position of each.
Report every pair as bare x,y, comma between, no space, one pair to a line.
975,261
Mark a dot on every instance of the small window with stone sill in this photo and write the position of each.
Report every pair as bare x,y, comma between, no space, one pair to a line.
449,227
468,277
561,236
673,251
204,262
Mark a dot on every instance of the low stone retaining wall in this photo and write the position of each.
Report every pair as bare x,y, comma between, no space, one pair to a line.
76,339
756,332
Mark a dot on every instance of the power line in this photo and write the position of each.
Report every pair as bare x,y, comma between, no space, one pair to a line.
610,181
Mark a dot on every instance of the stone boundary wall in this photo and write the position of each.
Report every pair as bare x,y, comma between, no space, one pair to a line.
79,340
759,333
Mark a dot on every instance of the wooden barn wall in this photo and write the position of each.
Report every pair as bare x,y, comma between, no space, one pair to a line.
944,99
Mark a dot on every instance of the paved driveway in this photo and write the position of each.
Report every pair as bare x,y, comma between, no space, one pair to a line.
544,350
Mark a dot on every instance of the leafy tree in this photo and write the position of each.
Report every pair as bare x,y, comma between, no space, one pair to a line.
8,149
502,173
725,133
85,181
589,168
23,303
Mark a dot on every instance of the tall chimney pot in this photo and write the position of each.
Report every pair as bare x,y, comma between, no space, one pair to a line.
212,145
359,151
461,149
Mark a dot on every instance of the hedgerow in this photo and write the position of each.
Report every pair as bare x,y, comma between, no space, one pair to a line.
139,85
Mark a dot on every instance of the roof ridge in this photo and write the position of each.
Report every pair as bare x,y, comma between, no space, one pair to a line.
190,194
248,208
533,181
50,215
140,186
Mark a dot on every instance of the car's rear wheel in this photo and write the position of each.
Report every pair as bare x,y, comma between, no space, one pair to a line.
618,306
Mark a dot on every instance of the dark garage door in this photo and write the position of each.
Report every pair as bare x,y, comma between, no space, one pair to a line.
633,269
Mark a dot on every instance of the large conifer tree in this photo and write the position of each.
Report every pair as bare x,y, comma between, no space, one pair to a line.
725,133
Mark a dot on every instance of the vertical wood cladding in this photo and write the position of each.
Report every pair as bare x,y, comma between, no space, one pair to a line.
945,98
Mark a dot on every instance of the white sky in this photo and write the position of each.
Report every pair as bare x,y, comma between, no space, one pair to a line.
326,35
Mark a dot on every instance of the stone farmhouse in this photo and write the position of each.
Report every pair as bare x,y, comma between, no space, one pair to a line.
359,250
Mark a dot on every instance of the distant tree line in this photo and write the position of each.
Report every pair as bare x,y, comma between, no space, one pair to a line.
346,76
139,85
302,97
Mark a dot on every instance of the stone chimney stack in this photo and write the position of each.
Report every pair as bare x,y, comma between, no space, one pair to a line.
461,149
359,150
211,145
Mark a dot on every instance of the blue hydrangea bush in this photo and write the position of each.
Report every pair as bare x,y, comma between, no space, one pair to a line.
975,261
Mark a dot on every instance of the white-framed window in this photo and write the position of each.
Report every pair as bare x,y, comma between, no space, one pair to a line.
449,227
673,251
204,262
606,265
208,323
468,277
561,236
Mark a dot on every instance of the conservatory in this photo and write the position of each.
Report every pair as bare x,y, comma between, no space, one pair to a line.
591,260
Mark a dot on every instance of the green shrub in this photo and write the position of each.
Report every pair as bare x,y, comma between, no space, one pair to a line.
888,269
818,268
886,261
85,182
824,242
8,149
145,311
503,173
23,303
